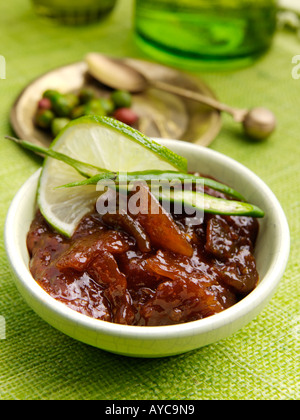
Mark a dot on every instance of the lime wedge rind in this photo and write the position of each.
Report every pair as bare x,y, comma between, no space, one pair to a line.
167,155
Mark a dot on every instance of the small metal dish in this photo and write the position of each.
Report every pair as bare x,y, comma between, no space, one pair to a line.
161,114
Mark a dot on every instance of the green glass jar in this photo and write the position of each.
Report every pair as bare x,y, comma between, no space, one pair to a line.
74,12
205,34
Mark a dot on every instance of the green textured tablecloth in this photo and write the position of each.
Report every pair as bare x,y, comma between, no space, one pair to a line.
259,362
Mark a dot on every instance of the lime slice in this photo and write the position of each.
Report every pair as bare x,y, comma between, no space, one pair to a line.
102,142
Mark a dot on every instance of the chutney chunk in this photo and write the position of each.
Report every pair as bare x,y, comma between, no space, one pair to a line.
240,272
160,226
105,271
124,221
197,292
44,247
221,241
38,228
77,290
180,299
85,249
134,266
89,224
81,293
246,228
226,235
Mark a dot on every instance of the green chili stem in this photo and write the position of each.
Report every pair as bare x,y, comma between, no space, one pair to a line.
84,169
159,177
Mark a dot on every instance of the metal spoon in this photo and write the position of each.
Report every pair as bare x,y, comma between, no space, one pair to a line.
259,123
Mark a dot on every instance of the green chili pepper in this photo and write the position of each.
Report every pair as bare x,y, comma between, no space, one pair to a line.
194,199
160,177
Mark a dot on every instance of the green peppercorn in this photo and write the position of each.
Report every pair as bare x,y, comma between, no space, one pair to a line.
121,99
44,118
86,95
108,105
50,94
77,112
62,106
94,107
72,99
58,124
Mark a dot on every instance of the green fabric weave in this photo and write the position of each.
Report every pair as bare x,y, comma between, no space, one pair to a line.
259,362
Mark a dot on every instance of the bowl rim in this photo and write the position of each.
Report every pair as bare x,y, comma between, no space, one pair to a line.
255,299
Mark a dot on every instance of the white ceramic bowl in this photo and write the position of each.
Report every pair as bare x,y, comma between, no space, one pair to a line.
272,252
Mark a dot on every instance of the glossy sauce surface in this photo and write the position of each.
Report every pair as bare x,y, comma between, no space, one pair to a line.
146,269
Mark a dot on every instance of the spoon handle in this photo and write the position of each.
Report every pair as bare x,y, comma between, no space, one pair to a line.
199,97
